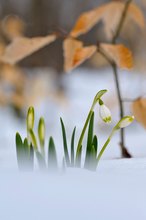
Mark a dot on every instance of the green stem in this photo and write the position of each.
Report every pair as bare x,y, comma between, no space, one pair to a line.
105,146
79,146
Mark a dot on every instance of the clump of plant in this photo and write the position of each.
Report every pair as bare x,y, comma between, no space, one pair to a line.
112,15
73,154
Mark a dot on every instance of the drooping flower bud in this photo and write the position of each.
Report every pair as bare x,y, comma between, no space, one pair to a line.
124,122
104,112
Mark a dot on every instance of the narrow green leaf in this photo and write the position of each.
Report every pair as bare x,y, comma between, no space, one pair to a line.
95,143
41,160
63,165
19,144
93,161
65,143
89,140
31,157
52,157
72,147
22,153
78,158
90,132
26,148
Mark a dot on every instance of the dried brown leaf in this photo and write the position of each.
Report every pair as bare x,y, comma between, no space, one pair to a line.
75,53
110,14
13,26
12,75
22,47
121,55
86,21
139,111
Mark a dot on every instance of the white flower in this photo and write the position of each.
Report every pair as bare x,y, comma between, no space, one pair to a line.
124,122
105,113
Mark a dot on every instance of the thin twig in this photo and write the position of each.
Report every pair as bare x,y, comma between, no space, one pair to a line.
124,151
128,100
121,22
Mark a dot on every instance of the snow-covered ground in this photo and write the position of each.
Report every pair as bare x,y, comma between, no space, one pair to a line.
116,191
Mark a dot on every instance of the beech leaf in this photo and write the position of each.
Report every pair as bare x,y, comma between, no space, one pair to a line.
75,53
12,26
121,55
139,111
22,47
109,14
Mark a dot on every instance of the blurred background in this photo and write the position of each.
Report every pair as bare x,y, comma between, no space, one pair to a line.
39,79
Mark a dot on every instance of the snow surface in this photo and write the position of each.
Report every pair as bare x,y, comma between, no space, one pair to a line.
116,191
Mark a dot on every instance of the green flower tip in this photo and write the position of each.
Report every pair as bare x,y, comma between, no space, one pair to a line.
124,122
30,118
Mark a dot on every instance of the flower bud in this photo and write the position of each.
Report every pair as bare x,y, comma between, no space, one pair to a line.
41,132
104,113
30,118
124,122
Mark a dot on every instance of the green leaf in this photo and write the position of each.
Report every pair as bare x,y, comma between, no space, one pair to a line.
23,153
52,157
19,151
95,143
31,157
90,132
89,140
19,145
26,148
65,143
72,146
41,160
78,158
93,161
63,165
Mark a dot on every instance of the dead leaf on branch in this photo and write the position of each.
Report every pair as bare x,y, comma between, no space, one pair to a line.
139,111
121,55
110,14
22,47
75,53
12,75
86,21
12,27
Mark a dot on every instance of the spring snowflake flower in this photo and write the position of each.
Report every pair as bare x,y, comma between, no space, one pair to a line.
104,112
124,122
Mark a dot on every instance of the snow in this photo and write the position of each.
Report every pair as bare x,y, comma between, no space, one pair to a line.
117,190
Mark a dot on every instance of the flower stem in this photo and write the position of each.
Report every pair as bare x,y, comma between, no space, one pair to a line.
105,146
79,146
